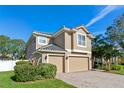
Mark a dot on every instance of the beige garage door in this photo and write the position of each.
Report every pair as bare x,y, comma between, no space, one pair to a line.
78,64
58,61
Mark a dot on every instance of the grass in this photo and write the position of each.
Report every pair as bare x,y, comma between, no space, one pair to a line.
121,72
7,82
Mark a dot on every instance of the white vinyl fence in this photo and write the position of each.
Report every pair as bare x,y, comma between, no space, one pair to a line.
7,65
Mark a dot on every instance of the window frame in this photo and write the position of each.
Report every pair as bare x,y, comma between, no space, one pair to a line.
40,37
84,41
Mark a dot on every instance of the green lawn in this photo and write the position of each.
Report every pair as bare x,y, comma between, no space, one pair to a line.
7,82
121,72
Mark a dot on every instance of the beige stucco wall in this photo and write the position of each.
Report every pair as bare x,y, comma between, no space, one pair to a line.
44,58
40,45
88,42
31,48
59,40
68,40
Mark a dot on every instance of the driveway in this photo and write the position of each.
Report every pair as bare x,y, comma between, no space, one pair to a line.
93,79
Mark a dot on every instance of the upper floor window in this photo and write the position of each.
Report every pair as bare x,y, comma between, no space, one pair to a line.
81,40
42,40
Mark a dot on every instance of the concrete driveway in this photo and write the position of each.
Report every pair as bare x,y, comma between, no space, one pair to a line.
93,79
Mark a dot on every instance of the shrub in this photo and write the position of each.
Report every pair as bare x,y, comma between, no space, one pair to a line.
98,66
119,67
22,62
27,72
48,70
104,67
116,67
113,67
24,72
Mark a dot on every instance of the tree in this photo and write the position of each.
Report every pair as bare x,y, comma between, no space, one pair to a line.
115,32
102,49
109,52
12,48
17,48
98,48
111,44
4,45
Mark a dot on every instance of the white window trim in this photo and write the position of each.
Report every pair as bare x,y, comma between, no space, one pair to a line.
42,43
85,40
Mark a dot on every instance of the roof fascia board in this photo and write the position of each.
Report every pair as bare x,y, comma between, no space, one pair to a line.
48,51
65,29
41,34
82,27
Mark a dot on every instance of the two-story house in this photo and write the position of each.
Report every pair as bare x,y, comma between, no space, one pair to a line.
68,49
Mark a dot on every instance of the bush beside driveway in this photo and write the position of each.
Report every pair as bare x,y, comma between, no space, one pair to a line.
93,79
114,68
7,82
28,75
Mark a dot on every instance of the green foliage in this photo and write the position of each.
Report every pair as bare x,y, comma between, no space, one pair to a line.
98,66
102,67
22,62
17,49
4,45
27,72
13,48
24,72
6,81
97,46
105,67
48,70
115,32
117,67
112,43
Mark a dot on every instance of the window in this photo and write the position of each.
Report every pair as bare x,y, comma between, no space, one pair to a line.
81,40
42,40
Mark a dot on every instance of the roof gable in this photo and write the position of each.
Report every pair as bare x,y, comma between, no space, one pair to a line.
83,28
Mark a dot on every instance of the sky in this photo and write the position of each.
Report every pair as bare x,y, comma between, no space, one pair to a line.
18,22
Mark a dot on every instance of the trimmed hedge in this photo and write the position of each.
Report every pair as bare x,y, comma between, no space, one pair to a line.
24,72
28,72
47,70
22,62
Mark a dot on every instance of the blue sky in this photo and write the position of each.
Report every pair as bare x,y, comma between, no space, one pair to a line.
19,22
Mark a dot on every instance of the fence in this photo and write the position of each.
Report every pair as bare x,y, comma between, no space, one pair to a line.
7,65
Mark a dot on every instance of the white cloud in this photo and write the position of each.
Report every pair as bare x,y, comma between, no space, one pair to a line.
102,14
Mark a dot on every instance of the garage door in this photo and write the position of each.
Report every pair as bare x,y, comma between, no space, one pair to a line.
58,61
78,64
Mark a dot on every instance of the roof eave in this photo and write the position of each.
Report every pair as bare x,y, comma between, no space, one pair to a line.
64,29
91,36
83,28
41,34
48,51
